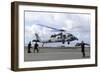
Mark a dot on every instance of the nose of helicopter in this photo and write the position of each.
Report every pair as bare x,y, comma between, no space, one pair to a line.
76,38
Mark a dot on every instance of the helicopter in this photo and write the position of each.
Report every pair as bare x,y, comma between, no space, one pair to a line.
62,36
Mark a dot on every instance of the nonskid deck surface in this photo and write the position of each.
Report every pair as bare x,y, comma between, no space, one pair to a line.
54,53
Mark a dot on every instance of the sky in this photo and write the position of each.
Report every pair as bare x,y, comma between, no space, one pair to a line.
74,23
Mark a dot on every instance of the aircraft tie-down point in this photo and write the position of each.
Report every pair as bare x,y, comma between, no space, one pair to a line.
60,37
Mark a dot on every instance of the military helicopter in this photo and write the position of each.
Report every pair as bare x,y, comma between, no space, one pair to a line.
62,36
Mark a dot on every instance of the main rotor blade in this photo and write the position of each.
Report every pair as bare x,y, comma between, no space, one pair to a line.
51,27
